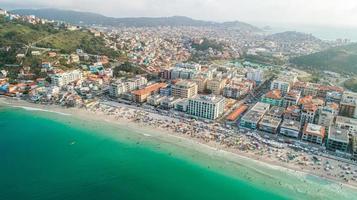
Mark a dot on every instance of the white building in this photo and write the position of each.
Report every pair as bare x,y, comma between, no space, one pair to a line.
255,75
283,83
122,86
184,89
3,12
66,78
208,107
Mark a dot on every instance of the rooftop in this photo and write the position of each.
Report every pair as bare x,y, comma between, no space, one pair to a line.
185,84
261,107
293,94
276,111
270,121
346,120
313,129
273,94
208,98
253,116
149,89
237,112
291,124
338,134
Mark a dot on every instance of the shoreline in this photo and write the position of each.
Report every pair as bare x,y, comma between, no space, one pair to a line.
234,155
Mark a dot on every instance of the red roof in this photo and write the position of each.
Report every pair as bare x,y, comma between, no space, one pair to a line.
236,113
149,89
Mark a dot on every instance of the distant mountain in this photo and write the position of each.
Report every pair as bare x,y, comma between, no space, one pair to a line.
290,36
341,59
87,18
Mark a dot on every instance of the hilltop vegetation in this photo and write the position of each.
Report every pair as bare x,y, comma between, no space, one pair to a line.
16,35
338,59
207,44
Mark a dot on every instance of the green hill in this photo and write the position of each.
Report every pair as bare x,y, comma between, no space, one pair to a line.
341,59
17,34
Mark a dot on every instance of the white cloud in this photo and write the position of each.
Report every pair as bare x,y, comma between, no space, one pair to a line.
318,12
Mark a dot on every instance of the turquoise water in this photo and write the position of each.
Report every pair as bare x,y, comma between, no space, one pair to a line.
49,156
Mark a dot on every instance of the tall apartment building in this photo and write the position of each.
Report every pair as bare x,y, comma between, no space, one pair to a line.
338,139
346,123
122,86
201,83
313,133
348,104
207,107
252,118
283,84
255,75
184,89
326,114
66,78
216,85
291,98
308,113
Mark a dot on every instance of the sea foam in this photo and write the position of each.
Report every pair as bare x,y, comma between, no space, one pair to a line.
41,110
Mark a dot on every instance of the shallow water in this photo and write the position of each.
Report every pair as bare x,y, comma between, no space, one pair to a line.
46,155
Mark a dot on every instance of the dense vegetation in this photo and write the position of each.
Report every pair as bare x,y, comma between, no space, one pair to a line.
351,84
69,41
17,34
127,68
206,44
339,59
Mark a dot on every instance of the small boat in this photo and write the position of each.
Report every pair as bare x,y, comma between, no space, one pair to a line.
72,143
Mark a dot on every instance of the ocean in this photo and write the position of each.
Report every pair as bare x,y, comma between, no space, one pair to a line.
50,156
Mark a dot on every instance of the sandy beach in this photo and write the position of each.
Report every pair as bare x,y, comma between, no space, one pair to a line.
206,138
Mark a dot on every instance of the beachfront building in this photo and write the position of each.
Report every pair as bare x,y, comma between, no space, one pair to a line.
140,96
252,118
346,123
313,133
216,85
354,147
338,139
348,105
233,116
327,114
184,89
121,86
168,102
208,107
273,98
116,89
181,105
269,124
65,78
155,100
290,128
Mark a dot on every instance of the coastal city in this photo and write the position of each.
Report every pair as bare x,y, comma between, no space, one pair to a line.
231,89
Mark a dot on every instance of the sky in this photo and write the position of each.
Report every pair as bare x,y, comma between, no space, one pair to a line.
337,13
